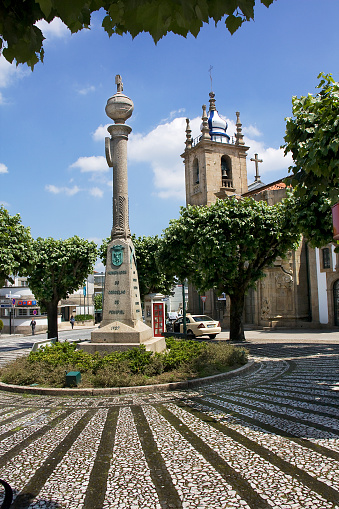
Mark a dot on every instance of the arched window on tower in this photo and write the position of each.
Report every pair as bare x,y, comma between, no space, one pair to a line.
196,174
226,172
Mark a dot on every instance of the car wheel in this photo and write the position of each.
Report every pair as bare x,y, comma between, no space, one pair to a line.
212,336
190,334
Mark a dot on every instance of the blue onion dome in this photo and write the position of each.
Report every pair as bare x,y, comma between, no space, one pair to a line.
216,124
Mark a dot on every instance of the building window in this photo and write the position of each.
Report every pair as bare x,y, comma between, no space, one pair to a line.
22,312
196,171
226,172
326,258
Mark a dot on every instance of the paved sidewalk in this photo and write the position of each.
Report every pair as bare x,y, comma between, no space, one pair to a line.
12,346
266,439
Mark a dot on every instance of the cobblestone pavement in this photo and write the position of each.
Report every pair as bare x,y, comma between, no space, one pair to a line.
264,439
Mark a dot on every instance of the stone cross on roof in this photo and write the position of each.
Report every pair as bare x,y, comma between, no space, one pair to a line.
256,161
119,83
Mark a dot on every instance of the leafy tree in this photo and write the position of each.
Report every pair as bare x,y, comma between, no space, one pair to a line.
22,40
314,217
98,301
16,253
61,267
312,136
152,278
227,245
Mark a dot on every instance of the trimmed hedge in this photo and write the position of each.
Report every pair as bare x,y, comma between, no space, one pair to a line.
181,361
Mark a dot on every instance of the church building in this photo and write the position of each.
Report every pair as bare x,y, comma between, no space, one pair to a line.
299,291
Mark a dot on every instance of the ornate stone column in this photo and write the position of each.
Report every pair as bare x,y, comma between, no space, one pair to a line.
122,326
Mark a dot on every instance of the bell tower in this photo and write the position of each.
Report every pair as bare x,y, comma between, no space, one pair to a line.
215,164
215,167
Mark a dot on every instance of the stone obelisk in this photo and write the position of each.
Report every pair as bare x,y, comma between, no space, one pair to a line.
122,326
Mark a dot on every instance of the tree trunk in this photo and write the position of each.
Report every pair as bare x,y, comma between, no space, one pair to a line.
52,318
236,316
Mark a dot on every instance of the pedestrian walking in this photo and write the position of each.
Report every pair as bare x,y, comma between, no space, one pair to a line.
72,320
33,324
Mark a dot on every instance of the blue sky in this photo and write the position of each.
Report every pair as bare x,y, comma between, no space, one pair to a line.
52,121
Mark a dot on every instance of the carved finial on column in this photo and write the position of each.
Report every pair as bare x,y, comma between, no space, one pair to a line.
239,136
204,128
119,83
188,134
212,101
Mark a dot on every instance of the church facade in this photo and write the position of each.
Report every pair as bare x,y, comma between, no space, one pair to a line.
299,291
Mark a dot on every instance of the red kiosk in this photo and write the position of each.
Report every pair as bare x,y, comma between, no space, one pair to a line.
155,313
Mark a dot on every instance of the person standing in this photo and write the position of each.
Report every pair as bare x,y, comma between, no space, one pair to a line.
72,320
33,324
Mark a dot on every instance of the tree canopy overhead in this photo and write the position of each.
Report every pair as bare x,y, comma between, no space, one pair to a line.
22,40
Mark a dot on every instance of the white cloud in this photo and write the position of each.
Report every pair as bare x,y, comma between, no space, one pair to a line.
69,191
99,266
86,90
97,240
56,28
100,133
3,168
161,148
8,73
92,164
96,192
251,130
274,160
4,203
174,113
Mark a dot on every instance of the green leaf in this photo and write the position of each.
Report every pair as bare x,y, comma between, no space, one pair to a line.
45,6
157,17
233,23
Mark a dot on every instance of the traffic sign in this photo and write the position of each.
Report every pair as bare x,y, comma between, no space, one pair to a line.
5,305
13,302
35,312
203,298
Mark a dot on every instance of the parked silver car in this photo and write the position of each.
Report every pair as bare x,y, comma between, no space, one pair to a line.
197,325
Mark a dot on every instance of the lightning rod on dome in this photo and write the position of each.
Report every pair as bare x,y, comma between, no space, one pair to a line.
210,71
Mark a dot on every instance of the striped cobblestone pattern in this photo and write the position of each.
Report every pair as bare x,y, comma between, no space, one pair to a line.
265,439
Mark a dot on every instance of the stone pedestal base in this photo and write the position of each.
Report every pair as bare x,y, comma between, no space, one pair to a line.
151,345
118,332
118,336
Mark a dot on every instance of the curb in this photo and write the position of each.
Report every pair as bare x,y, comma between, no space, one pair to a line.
105,391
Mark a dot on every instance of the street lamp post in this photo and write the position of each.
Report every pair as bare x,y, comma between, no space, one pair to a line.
184,325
